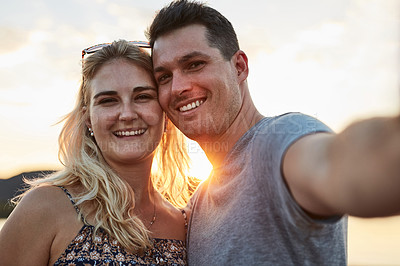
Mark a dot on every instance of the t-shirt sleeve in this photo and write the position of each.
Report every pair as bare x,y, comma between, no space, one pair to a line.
271,146
289,128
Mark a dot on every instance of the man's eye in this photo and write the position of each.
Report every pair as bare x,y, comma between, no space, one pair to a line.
196,65
163,79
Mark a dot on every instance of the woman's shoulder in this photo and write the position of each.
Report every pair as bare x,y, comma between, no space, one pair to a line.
42,199
48,204
32,226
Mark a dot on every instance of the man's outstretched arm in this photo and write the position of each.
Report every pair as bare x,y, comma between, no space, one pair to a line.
356,171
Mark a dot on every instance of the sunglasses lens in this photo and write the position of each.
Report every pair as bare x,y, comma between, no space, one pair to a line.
98,47
140,44
95,48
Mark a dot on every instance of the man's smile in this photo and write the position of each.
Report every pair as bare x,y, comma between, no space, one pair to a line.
191,106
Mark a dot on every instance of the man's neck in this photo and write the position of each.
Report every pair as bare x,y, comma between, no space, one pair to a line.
216,149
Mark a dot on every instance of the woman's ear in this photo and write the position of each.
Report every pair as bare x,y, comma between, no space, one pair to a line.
87,120
85,114
241,64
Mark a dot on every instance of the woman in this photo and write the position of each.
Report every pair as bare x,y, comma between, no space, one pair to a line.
107,146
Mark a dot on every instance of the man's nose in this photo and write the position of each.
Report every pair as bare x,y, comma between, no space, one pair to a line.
180,84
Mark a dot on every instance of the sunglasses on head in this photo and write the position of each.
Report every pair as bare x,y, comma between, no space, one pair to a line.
97,47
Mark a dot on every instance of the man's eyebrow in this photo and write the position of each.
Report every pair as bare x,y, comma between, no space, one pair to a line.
183,59
189,56
135,89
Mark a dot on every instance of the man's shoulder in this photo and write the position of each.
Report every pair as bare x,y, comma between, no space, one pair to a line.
273,135
290,123
288,117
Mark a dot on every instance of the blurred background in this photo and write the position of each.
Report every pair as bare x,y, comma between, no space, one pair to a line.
337,60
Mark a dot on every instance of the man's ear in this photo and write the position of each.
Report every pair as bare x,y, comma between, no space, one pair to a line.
241,64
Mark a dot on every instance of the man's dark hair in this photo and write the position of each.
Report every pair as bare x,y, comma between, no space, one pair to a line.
220,33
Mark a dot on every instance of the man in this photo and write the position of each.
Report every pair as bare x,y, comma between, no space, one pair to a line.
281,186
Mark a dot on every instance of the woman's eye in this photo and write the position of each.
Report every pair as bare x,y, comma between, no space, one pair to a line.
143,97
107,100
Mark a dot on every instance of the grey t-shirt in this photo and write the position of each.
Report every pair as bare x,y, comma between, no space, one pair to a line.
244,213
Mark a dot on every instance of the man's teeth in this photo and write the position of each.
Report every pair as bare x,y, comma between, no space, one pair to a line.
130,133
191,106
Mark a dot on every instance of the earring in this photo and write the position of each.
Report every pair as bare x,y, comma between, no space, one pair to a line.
91,131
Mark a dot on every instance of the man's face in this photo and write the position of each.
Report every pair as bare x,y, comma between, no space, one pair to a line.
198,88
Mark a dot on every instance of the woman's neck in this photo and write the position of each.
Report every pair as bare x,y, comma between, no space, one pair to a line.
138,177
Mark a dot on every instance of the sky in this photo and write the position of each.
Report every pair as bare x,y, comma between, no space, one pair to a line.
337,60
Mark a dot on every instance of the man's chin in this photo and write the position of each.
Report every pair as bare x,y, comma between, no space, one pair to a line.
193,134
199,136
199,130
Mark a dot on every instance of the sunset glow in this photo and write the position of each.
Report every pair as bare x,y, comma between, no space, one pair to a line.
337,60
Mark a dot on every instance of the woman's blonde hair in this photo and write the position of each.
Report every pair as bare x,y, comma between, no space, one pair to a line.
105,194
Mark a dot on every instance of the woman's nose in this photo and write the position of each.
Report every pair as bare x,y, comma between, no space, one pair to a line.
128,113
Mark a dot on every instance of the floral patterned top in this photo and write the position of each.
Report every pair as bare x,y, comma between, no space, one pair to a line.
103,250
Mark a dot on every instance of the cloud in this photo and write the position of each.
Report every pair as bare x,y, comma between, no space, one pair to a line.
40,64
12,39
335,59
338,70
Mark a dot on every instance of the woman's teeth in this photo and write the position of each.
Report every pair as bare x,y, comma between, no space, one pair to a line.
129,133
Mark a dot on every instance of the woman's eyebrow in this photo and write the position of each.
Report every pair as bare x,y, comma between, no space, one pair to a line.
105,93
135,89
144,88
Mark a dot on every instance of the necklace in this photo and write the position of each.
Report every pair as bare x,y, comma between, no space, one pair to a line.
154,215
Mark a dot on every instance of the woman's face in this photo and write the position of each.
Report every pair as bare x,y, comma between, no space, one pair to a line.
124,113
